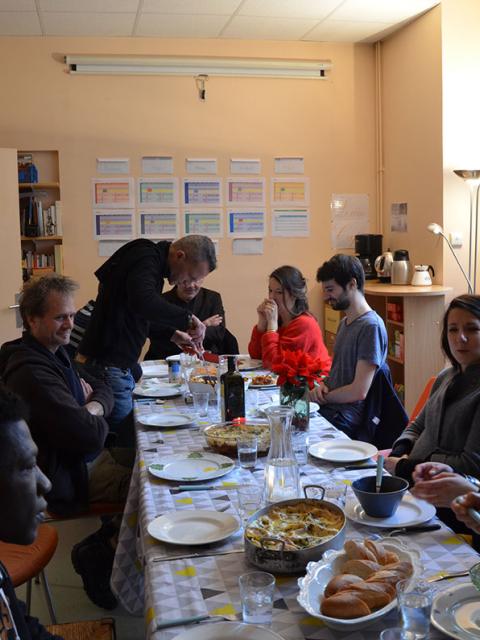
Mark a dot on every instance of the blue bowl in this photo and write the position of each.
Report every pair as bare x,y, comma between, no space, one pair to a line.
383,504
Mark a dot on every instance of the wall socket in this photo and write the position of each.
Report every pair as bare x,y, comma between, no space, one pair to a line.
456,239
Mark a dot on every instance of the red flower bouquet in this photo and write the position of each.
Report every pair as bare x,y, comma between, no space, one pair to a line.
297,368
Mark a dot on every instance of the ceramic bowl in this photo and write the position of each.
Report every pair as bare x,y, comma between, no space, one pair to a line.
382,504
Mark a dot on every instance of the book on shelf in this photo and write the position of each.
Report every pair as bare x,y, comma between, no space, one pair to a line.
58,217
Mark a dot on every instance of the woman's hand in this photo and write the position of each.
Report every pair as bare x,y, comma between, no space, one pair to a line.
262,320
213,321
427,470
460,508
271,315
391,462
442,489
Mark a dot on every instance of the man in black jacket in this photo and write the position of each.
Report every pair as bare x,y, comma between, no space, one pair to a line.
22,490
129,298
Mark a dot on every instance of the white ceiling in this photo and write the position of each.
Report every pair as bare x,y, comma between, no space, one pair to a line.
302,20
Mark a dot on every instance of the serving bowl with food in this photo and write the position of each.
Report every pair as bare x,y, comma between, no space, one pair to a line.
203,378
223,436
351,588
284,537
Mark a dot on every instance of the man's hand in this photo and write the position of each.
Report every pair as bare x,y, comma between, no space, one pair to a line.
182,340
319,393
95,408
391,462
442,489
197,330
462,504
87,390
213,321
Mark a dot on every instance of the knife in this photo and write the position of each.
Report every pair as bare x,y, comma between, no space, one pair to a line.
413,529
177,622
191,556
354,467
206,487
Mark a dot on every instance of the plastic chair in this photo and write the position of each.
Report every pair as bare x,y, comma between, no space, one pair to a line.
103,629
25,562
422,399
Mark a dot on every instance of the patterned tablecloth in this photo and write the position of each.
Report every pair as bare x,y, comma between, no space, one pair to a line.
179,588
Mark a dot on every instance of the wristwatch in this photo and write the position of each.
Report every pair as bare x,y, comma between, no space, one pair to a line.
474,481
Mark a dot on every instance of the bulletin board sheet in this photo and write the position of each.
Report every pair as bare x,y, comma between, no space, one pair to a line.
157,192
202,192
113,193
161,224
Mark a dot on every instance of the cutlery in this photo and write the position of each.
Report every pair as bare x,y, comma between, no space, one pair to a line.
208,487
187,556
413,529
378,478
448,576
178,622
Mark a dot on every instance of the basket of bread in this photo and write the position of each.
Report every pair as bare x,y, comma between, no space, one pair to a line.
352,588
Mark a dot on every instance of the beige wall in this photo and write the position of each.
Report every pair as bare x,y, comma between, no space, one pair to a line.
412,136
330,123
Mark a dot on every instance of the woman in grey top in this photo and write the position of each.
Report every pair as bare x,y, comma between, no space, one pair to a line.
447,430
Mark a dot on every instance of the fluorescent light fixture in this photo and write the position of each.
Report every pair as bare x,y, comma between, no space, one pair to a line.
437,230
193,66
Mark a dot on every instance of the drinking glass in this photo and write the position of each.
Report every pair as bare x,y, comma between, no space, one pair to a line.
249,500
394,633
415,604
187,364
252,397
247,451
200,403
256,593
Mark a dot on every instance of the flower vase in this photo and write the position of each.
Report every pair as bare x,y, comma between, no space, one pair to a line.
296,396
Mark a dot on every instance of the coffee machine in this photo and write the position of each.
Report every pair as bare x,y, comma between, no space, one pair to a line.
368,246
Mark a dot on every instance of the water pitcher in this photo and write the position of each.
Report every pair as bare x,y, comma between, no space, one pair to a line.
282,481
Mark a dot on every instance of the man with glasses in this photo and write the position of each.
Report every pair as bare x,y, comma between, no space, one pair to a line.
129,298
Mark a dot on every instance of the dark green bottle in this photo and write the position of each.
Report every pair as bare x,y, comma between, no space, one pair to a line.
232,392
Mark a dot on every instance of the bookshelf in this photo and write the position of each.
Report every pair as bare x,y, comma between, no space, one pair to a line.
40,213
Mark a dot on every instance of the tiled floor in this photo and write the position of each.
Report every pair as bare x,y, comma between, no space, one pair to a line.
70,600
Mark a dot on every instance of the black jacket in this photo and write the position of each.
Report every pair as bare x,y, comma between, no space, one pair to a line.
131,282
206,303
63,430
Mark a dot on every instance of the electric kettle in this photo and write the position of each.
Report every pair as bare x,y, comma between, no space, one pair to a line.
383,266
401,267
421,275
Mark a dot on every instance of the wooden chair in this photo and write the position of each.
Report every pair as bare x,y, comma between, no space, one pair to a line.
103,629
25,562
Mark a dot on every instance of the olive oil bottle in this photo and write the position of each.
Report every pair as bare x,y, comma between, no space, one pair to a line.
232,390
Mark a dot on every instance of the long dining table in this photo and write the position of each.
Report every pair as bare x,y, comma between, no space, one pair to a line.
148,583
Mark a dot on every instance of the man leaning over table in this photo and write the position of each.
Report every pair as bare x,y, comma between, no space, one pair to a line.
67,419
360,345
129,298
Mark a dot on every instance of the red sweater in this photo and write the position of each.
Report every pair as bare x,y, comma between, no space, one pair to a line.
301,333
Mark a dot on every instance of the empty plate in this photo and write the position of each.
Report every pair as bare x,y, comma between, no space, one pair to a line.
156,390
151,369
343,450
456,612
193,527
410,512
231,630
245,363
189,467
165,420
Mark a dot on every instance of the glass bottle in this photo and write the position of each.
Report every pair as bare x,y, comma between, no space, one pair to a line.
282,480
232,390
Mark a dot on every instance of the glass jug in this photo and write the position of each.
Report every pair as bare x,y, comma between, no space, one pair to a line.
282,480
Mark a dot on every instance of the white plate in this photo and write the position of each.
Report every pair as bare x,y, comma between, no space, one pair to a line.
230,630
411,511
320,573
151,369
165,420
193,527
174,358
343,450
456,612
157,391
189,467
249,364
313,407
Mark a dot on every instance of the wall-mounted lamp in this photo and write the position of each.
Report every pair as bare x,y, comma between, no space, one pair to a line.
437,230
200,82
472,178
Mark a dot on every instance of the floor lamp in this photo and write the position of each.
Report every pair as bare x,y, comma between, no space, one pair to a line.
437,230
472,178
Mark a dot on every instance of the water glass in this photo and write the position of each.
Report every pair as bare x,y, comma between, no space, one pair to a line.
187,364
300,446
394,633
415,604
249,500
200,403
256,593
247,451
252,398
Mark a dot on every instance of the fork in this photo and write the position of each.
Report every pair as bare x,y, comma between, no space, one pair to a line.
178,622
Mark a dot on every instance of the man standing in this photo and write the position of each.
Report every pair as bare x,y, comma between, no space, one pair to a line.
130,284
360,345
22,490
206,305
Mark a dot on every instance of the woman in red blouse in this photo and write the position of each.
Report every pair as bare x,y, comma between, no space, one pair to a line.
284,321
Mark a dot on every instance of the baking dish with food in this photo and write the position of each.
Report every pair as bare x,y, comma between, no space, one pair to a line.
312,585
283,552
222,437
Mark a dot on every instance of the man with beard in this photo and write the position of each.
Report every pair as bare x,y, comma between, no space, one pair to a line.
360,346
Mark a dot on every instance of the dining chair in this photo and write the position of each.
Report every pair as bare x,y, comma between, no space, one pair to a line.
26,562
103,629
423,398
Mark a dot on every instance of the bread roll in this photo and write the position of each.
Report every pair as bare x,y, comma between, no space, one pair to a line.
391,557
374,594
378,550
403,568
389,577
341,582
357,551
362,568
344,605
